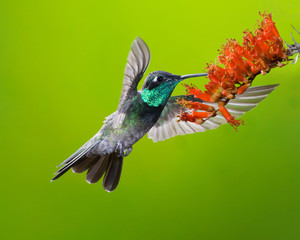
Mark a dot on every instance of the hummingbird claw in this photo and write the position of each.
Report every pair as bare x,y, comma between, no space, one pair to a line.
121,151
127,151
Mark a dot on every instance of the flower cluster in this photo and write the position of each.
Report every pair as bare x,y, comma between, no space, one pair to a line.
260,52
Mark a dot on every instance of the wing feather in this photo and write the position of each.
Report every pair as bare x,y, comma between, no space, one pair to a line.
167,125
137,63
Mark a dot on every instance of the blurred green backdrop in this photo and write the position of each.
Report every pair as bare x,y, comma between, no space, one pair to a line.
61,69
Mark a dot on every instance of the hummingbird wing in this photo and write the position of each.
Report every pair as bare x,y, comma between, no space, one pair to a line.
167,125
137,63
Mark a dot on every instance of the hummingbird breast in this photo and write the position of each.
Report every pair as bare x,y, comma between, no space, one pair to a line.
138,120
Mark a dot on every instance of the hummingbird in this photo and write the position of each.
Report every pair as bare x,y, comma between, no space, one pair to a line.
150,110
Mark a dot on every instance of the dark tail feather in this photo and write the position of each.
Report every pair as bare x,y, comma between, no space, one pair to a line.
113,172
65,168
97,170
71,161
96,166
84,165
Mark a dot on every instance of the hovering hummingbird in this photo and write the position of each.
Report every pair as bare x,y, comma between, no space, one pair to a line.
150,110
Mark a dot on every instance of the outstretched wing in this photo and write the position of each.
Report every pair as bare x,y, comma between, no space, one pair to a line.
167,125
137,63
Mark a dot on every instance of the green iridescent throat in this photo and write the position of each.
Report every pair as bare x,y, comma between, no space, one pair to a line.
158,95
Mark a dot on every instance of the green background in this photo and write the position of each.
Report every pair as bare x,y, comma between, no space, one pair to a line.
61,69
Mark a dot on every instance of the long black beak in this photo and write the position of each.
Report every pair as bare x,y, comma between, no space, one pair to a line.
193,75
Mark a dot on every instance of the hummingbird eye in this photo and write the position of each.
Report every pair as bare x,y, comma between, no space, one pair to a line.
160,78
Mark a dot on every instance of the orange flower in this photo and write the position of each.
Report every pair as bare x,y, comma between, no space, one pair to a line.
260,52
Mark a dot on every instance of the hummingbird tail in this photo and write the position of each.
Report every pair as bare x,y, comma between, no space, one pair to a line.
97,165
113,172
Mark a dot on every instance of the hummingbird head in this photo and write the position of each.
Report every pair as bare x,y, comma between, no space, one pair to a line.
159,86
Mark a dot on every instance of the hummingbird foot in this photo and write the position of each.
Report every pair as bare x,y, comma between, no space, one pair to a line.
121,151
127,151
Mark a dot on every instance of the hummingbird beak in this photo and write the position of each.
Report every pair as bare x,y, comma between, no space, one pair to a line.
192,76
